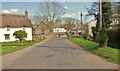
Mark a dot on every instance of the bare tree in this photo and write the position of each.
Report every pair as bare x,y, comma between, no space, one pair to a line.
70,23
49,12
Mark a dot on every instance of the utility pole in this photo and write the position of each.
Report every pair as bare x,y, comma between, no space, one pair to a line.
81,19
100,15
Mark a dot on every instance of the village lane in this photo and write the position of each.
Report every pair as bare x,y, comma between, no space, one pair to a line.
55,53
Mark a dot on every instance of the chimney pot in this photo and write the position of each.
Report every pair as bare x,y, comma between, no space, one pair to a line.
26,12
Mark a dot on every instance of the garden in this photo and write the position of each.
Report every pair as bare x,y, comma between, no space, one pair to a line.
8,47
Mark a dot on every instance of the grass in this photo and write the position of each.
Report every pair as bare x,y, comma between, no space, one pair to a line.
0,48
8,47
108,53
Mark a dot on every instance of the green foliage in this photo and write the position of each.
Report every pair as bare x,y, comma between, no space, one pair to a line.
114,37
94,32
8,47
103,36
106,12
108,53
87,36
88,45
21,35
114,45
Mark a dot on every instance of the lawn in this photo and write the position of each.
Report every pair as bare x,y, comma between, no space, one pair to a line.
108,53
0,48
8,47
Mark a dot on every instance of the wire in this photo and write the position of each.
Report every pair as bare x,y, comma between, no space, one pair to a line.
63,7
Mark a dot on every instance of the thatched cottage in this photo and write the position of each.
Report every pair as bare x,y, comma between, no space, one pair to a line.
9,23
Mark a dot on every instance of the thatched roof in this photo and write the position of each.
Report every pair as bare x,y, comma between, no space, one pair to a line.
14,20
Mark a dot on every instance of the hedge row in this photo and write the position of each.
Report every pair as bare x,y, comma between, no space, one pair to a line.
114,34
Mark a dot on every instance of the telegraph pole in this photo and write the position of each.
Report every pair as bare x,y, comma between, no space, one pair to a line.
81,19
100,15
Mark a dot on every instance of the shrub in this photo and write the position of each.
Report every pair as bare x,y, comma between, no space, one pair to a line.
87,36
114,37
94,32
21,35
113,34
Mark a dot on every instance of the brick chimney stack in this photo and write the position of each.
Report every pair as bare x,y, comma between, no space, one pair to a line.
26,12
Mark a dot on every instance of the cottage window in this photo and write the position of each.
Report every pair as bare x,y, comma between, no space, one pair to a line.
7,36
8,28
24,28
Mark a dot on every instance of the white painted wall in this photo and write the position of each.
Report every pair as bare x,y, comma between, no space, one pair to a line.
59,30
12,30
90,25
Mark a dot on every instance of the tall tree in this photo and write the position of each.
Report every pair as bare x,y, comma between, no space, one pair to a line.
107,19
49,12
106,11
103,35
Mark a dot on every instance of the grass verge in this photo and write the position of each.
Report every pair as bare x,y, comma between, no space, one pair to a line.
8,47
108,53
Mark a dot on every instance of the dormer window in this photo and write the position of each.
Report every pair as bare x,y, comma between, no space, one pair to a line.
24,28
8,28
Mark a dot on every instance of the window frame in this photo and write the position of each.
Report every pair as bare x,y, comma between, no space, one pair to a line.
8,28
7,36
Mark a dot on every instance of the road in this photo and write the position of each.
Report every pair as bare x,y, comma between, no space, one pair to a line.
55,53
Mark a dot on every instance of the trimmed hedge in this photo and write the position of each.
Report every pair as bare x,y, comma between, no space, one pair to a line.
114,34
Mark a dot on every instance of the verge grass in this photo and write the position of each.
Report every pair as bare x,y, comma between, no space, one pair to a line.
108,53
8,47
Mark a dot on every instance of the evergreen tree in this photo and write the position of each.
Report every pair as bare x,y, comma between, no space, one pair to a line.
106,12
103,35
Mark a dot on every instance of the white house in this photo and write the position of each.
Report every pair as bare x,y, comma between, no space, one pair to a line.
9,23
59,30
91,24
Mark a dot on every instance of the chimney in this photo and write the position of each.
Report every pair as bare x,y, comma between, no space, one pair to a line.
26,12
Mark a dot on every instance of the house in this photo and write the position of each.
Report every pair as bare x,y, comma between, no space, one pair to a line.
9,23
78,28
59,29
87,28
91,24
41,30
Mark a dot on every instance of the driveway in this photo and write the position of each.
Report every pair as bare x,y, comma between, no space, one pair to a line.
55,53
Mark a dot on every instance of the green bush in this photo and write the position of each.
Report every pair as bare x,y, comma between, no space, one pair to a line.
114,37
94,32
21,35
113,34
87,36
